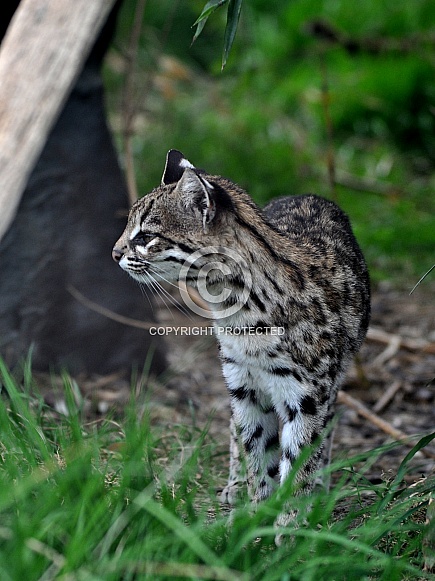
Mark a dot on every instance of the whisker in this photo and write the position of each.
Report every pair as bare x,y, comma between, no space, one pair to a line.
179,306
157,269
164,293
144,290
158,289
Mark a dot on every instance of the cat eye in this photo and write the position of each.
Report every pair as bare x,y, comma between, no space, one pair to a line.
143,237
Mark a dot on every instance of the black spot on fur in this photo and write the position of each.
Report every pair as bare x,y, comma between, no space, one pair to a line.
226,359
235,281
308,406
297,376
314,437
257,301
261,327
291,412
230,301
289,456
249,443
272,442
242,393
272,471
281,371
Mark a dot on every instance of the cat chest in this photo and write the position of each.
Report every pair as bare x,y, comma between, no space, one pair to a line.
260,363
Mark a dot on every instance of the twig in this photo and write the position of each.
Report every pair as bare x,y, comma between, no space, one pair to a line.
325,31
363,411
368,185
389,352
379,336
128,101
376,335
107,312
326,100
387,397
120,318
429,536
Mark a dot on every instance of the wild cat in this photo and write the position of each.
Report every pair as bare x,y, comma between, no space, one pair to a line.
289,291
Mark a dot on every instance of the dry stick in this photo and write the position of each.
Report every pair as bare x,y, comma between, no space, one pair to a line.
372,335
379,336
107,312
363,411
342,397
329,128
429,536
388,353
387,397
372,45
115,316
368,185
128,101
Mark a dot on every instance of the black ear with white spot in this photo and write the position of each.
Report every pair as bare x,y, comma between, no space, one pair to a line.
197,194
175,165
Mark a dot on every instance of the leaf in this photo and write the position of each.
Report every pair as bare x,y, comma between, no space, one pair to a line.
233,15
208,9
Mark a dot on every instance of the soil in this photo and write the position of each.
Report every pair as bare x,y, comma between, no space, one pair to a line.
193,392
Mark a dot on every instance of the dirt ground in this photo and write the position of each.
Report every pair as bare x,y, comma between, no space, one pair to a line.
393,377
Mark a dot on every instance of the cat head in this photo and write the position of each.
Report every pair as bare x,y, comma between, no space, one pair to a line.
189,211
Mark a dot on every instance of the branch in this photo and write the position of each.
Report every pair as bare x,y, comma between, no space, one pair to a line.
363,411
107,312
129,105
322,30
342,397
41,55
364,184
379,336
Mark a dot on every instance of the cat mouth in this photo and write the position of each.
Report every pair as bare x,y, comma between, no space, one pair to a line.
133,265
149,272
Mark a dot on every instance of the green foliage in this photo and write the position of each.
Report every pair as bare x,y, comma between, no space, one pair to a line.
290,100
233,15
78,502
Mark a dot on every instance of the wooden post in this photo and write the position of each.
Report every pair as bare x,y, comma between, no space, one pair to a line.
41,55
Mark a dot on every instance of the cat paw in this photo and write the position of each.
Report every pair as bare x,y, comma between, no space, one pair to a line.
284,520
229,493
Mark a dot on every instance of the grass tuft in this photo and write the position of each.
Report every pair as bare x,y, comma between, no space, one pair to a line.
78,502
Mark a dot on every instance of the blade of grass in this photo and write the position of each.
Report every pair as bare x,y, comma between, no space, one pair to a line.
186,534
402,471
174,569
20,405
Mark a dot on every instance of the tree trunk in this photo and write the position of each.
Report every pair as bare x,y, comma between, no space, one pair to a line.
41,56
62,235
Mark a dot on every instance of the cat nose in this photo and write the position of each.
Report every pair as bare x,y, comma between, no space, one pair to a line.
117,254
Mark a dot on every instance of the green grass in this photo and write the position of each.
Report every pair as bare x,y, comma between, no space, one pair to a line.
115,501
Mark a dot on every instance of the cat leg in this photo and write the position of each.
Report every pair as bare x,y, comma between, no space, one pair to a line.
258,429
302,426
229,493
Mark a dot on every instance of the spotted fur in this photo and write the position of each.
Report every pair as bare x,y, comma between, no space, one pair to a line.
308,278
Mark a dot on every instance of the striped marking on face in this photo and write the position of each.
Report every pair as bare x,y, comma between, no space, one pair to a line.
135,231
144,249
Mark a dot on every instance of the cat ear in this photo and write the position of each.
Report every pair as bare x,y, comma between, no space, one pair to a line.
197,193
175,165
